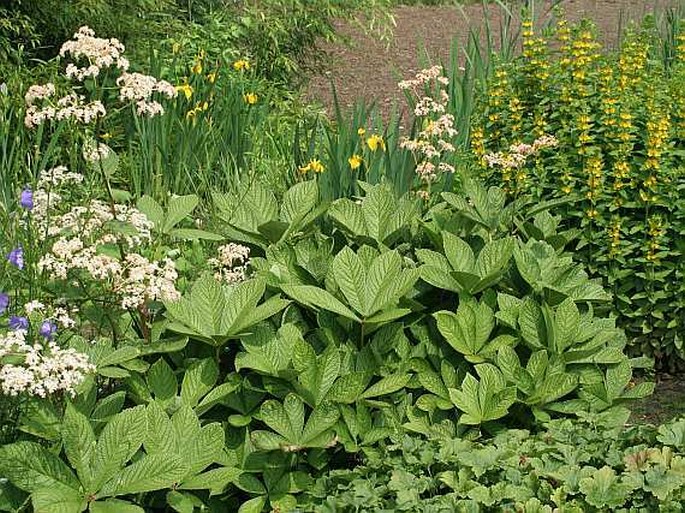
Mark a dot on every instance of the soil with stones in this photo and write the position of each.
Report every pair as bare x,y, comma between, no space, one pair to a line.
365,67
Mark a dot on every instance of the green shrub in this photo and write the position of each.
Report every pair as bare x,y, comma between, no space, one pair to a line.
619,162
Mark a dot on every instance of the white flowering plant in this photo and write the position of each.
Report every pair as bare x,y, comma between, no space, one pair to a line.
433,146
93,63
95,254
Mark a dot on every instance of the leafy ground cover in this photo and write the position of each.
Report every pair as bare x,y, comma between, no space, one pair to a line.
215,298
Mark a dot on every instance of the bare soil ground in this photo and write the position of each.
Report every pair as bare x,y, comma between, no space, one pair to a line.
368,68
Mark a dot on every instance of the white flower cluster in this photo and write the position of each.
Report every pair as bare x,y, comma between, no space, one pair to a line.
70,107
431,145
423,78
56,177
139,88
231,264
89,221
94,152
100,54
141,281
82,231
58,314
97,54
44,370
39,92
519,153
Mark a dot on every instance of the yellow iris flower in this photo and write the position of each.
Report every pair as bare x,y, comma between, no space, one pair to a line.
250,98
241,65
186,89
314,165
374,142
355,161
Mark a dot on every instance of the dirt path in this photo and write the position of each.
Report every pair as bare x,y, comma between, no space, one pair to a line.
369,68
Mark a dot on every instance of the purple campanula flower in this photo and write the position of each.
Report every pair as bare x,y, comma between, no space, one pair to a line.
26,199
16,257
47,329
18,323
4,302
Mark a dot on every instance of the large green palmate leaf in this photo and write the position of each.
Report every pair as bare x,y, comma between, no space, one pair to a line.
199,379
114,506
468,331
459,270
381,287
485,207
214,480
152,472
315,297
178,209
316,374
483,400
31,467
351,277
373,295
252,213
613,386
291,432
119,441
79,443
253,205
604,489
301,206
558,277
215,313
162,381
58,499
266,351
198,447
542,382
380,215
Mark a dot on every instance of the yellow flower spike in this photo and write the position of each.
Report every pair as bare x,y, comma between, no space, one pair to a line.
374,142
304,169
211,77
186,89
354,161
197,68
250,98
241,65
361,131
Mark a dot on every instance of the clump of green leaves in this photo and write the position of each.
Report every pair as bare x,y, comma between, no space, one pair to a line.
570,467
